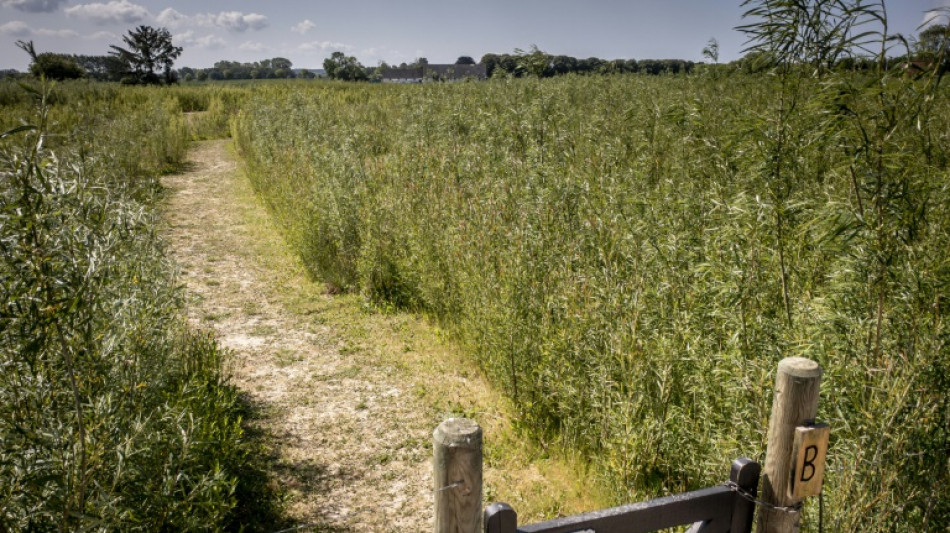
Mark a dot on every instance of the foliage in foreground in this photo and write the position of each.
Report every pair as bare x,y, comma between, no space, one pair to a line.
629,258
114,415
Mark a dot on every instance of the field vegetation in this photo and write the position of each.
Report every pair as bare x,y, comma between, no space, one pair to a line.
629,257
114,414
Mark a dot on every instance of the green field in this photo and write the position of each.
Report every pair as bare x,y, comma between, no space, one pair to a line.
629,257
626,257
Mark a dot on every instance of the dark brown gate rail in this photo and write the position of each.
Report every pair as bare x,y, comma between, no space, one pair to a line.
720,509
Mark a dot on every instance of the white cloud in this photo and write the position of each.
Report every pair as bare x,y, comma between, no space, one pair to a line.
249,46
233,20
188,38
303,27
102,36
16,28
324,46
34,6
115,12
63,34
211,42
171,18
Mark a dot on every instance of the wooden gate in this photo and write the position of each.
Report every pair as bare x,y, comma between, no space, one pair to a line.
722,509
793,470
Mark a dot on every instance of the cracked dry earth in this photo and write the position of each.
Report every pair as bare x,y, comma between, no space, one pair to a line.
352,450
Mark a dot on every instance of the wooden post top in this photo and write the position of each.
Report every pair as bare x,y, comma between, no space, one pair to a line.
458,433
799,367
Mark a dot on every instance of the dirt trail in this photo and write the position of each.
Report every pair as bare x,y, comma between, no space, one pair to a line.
350,440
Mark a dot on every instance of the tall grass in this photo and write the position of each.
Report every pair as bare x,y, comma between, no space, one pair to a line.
114,414
622,256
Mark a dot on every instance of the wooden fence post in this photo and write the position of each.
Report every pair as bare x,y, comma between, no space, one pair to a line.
457,444
795,404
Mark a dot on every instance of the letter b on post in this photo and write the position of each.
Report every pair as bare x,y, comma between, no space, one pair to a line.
808,469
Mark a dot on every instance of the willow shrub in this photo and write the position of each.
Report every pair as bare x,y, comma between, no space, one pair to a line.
114,415
622,256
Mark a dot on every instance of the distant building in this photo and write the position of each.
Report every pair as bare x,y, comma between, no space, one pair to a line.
433,73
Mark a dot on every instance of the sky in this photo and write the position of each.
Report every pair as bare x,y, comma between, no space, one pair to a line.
395,31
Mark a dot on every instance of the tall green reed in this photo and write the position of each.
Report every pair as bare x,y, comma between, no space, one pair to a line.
628,258
114,414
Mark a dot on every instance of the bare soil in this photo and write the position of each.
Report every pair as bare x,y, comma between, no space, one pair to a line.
347,397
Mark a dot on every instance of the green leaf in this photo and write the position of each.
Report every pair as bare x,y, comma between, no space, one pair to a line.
16,130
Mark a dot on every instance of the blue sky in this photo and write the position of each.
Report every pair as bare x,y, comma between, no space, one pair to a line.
394,31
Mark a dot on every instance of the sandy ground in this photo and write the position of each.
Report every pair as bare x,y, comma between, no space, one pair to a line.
352,446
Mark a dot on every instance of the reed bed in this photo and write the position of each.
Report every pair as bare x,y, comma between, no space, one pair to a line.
114,414
629,257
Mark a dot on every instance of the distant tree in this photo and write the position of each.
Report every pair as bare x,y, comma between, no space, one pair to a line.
563,64
307,75
711,50
589,65
534,62
148,50
650,66
933,43
339,66
464,60
509,64
491,62
102,68
617,66
56,67
757,61
281,62
50,65
672,66
419,62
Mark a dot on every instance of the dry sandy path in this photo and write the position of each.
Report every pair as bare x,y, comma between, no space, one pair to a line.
351,443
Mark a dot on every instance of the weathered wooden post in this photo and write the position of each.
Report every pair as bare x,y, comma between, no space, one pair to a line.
457,444
794,460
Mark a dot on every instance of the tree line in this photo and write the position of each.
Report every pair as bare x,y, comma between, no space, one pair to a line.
265,69
538,63
148,56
